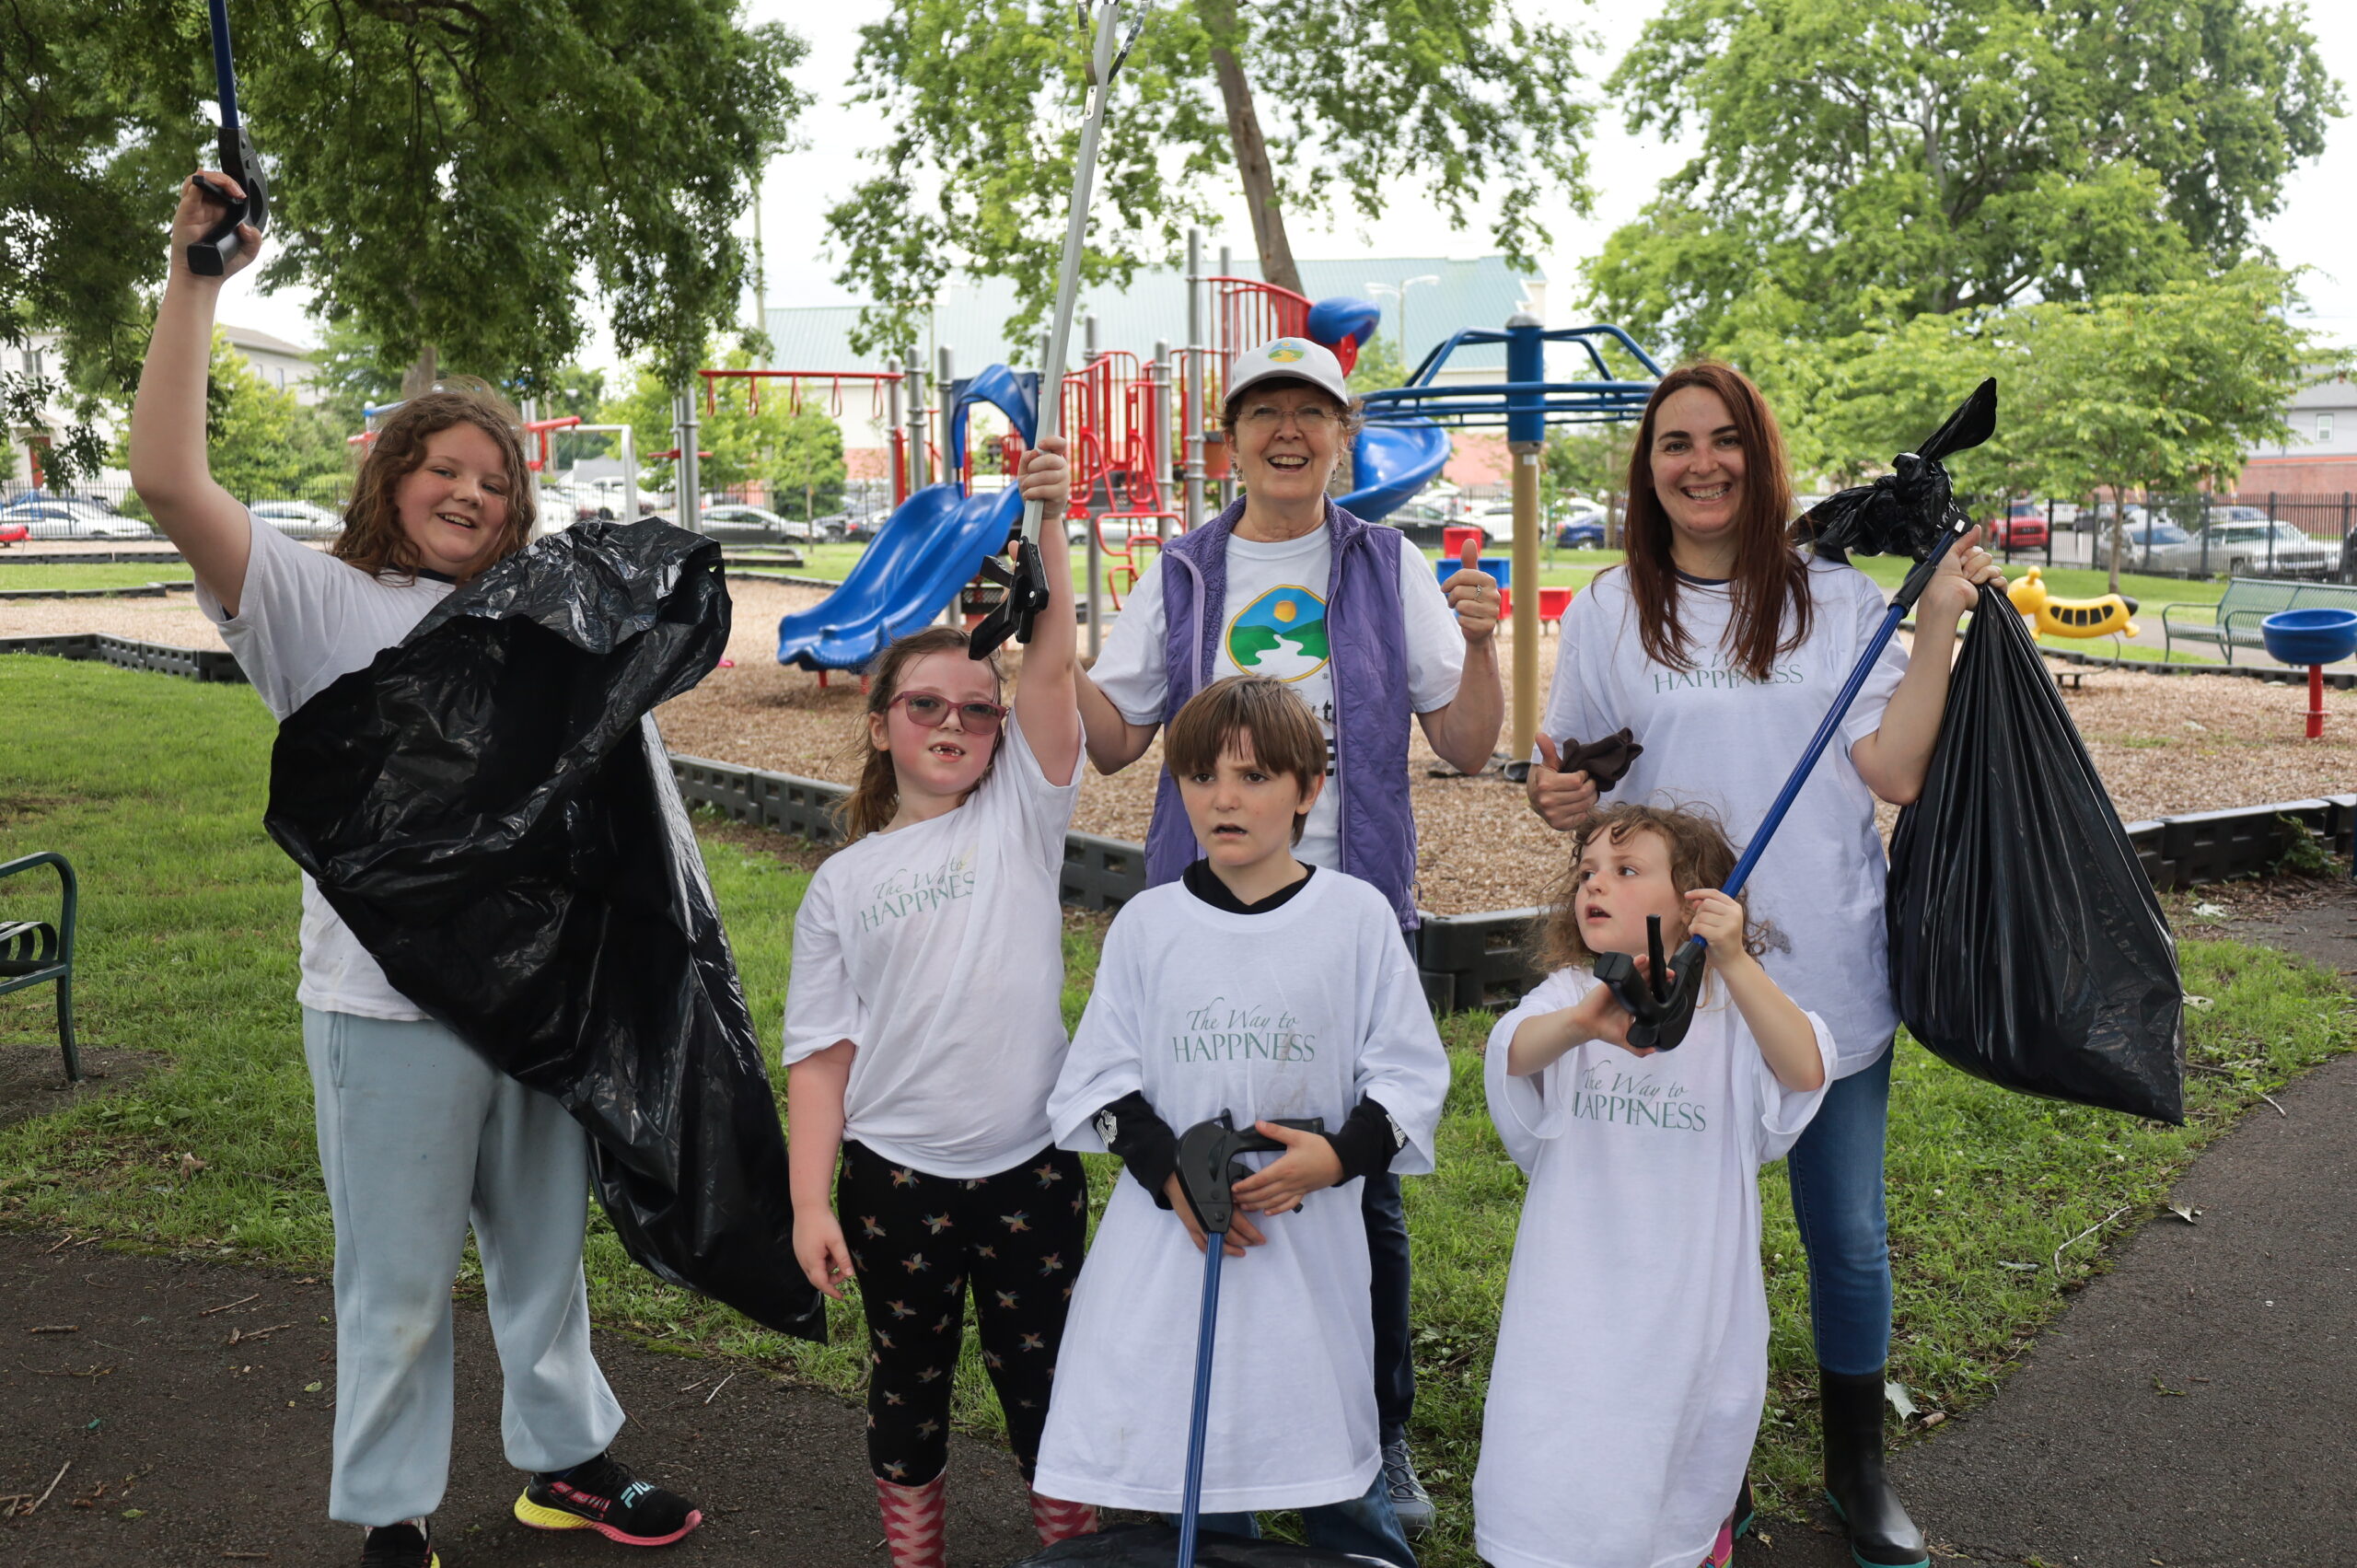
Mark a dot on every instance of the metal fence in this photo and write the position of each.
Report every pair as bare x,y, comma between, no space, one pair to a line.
2249,535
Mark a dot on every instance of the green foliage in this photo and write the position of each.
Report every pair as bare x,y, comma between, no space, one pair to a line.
263,443
800,452
2163,391
1463,97
1932,156
1591,460
352,375
1378,367
443,173
72,455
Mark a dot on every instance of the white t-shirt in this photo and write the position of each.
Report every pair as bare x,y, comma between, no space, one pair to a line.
1715,737
1276,625
1633,1354
305,619
1297,1012
937,950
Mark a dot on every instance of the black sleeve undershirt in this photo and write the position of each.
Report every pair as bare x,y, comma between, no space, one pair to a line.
1366,1142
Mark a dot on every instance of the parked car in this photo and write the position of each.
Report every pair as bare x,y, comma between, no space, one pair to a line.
735,523
58,519
300,519
2022,526
832,527
2162,548
1583,532
1422,523
2263,548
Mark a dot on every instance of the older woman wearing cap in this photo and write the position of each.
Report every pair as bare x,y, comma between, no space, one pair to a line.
1285,583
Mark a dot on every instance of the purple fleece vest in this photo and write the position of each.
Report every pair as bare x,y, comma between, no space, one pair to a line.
1366,636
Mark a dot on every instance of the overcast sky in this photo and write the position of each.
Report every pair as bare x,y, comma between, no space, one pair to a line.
2317,228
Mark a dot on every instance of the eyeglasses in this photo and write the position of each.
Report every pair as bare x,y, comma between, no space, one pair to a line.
1313,419
927,710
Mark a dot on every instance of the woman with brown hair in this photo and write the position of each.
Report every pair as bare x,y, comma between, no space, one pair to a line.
1720,645
420,1137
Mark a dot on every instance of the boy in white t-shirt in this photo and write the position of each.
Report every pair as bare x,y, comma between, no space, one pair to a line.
1259,986
1635,1329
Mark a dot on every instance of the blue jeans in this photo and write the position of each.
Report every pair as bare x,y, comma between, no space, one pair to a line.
1836,1175
1387,1256
1365,1527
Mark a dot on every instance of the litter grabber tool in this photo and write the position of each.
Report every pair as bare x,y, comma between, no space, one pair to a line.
1208,1172
211,256
1910,510
1026,580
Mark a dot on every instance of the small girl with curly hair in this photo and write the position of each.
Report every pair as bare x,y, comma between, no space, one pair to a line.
1636,1319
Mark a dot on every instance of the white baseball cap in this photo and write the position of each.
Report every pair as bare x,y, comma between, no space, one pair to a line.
1292,358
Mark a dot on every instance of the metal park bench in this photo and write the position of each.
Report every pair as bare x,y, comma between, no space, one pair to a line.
32,951
2249,601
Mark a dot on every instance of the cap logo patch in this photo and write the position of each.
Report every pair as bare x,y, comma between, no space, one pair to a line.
1284,353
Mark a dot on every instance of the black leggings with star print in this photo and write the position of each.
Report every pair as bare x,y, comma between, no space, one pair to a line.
916,1240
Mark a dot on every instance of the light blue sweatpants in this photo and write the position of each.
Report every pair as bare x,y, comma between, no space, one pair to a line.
419,1136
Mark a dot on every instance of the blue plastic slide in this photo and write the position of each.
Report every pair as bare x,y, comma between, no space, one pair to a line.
930,547
1390,463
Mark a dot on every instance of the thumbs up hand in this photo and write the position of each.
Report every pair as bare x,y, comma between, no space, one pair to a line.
1473,595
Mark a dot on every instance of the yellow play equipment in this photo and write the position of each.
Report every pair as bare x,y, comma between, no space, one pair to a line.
2104,617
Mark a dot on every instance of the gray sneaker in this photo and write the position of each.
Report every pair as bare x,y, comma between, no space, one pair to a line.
1411,1503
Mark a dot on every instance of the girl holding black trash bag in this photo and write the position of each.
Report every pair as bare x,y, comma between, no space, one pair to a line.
418,1134
1721,645
923,1031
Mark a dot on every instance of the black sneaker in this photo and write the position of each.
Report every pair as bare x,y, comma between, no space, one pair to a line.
602,1495
1411,1503
404,1545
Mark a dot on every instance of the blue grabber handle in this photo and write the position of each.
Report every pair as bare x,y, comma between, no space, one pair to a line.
210,256
1205,1174
1665,1007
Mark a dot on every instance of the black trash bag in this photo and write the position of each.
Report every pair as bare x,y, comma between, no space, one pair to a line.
1157,1546
2025,945
489,807
1905,512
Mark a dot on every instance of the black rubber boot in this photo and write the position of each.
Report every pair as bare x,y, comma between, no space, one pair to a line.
1881,1535
1746,1513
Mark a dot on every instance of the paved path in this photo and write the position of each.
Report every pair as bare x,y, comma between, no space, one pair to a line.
187,1449
2193,1405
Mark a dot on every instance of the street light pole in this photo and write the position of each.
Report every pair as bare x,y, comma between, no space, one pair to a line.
1399,292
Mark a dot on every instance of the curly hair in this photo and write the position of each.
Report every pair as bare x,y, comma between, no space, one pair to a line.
372,537
1700,856
876,798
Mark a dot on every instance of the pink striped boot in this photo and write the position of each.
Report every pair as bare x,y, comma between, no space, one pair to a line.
914,1523
1058,1520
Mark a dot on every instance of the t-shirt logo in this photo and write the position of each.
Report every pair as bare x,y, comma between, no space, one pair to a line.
1282,633
1284,354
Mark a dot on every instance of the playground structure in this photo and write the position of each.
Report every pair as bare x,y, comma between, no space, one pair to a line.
1149,463
2103,616
2315,638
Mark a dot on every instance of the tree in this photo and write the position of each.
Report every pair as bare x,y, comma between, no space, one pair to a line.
445,171
1377,368
2157,392
772,445
1870,163
262,443
1310,107
1591,460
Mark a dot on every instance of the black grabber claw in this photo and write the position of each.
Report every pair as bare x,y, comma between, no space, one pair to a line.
1026,595
1662,998
210,257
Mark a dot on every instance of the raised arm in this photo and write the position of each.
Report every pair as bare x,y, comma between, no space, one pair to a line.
1043,688
1895,759
168,467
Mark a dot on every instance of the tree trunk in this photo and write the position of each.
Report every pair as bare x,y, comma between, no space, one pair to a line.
1251,152
419,378
2118,532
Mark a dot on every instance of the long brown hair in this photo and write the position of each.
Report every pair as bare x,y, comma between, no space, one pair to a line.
1772,610
1700,856
372,537
876,798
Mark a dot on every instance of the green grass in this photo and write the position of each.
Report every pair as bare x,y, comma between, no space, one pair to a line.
2151,594
155,787
103,575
